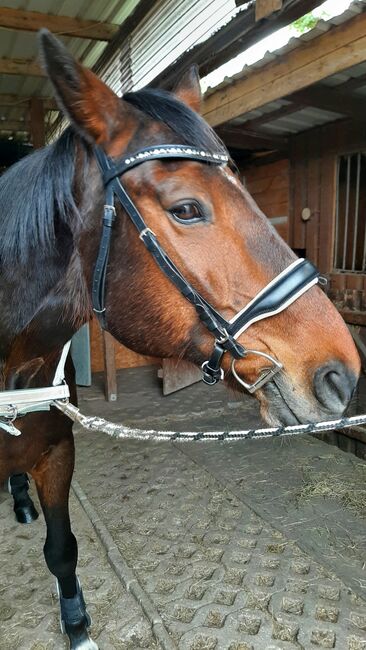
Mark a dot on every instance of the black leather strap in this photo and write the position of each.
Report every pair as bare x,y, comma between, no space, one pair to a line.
210,317
281,292
275,295
161,152
100,268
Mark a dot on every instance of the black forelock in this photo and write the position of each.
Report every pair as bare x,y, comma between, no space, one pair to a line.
187,125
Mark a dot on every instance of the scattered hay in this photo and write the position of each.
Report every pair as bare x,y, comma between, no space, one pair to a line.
350,491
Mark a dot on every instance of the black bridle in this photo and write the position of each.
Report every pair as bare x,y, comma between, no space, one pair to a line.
281,292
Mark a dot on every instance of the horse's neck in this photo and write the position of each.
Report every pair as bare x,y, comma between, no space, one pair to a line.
37,347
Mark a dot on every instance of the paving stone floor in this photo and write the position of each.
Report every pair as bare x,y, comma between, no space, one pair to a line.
28,600
214,546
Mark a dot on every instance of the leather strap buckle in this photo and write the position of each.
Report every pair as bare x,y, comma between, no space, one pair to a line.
211,376
146,231
266,374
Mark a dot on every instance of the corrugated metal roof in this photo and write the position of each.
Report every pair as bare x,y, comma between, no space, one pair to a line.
23,45
168,31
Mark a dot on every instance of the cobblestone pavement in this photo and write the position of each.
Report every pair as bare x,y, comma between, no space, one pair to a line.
218,574
28,601
208,538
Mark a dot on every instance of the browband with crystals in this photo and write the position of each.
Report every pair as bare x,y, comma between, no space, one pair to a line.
281,292
161,152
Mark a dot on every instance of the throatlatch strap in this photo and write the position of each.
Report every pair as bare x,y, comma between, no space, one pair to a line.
100,268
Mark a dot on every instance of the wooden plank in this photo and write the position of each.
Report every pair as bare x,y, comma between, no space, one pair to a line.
264,8
16,101
327,208
313,198
14,125
37,126
336,50
32,21
110,375
21,66
298,192
354,317
179,374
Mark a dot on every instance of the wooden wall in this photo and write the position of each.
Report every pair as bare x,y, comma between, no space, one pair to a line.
269,186
313,177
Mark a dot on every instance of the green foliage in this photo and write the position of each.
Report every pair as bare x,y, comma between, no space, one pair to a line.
303,24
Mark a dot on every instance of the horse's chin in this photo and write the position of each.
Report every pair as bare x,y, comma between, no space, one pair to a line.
282,405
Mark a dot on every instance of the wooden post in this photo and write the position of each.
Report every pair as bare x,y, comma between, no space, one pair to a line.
37,129
264,8
110,376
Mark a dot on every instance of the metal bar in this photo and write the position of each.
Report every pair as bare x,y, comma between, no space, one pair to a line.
346,218
22,397
364,248
336,234
357,205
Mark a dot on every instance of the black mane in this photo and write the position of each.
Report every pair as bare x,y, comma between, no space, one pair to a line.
32,193
36,194
187,125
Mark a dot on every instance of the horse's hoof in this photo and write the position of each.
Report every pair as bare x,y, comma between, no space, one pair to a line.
80,639
75,620
26,514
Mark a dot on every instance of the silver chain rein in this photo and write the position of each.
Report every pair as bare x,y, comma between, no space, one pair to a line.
114,430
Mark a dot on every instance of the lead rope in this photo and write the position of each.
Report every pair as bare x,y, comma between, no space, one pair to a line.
120,431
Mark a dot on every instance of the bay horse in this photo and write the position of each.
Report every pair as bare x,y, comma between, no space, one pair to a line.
217,239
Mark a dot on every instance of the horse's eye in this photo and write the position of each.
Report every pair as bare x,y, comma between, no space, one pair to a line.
187,212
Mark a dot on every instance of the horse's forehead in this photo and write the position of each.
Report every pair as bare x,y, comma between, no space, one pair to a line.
229,176
169,173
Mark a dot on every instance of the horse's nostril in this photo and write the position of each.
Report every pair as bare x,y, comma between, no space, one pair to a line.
334,385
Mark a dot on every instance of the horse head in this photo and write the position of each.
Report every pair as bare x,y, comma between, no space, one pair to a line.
214,233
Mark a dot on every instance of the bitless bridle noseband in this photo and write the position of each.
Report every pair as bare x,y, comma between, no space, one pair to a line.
276,296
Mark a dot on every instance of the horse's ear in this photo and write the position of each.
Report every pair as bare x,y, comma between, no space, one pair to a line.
188,89
84,98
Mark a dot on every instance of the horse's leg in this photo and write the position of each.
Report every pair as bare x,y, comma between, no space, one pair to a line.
25,511
53,477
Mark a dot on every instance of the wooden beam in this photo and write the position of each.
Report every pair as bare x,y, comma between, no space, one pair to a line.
14,125
20,101
264,8
241,138
21,66
331,99
336,50
32,21
37,126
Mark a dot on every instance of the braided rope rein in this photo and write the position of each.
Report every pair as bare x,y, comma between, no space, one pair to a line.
120,431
